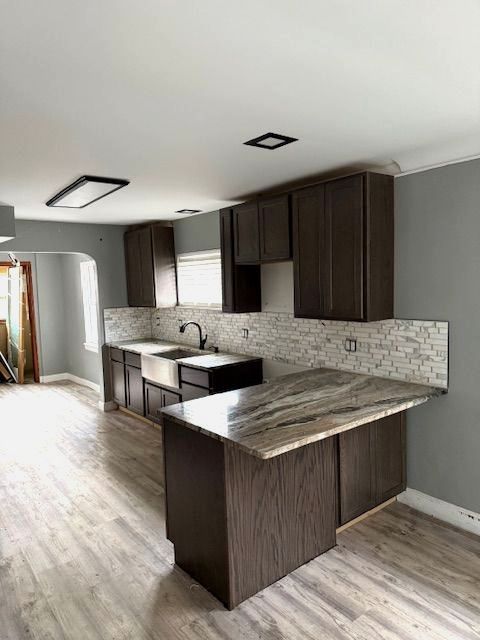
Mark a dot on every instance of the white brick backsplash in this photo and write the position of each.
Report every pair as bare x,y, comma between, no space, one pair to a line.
127,323
411,350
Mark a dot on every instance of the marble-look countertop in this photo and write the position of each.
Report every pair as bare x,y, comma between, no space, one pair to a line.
205,360
298,409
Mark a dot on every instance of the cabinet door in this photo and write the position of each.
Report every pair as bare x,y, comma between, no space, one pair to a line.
139,265
132,263
134,389
170,398
246,233
118,382
226,249
308,219
357,472
274,221
390,476
164,267
343,249
153,402
146,267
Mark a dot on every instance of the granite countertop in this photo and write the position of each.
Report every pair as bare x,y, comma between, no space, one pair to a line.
205,360
297,409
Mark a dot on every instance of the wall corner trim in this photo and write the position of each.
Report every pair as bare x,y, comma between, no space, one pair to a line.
56,377
445,511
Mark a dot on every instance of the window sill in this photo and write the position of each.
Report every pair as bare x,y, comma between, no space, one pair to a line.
202,307
91,347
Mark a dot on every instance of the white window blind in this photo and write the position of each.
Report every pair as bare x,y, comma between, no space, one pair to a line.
199,279
88,275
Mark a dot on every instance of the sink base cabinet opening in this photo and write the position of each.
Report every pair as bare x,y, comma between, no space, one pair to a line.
240,523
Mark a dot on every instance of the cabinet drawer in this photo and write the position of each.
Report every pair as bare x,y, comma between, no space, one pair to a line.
195,376
133,359
189,392
116,354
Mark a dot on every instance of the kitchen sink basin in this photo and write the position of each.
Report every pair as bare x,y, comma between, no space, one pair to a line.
163,367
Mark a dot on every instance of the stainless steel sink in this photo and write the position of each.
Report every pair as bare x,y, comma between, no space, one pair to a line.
163,368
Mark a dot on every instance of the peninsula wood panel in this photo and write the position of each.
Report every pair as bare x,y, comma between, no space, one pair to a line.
196,512
281,513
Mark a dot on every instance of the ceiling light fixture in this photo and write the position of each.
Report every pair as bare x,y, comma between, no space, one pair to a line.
270,141
85,191
188,211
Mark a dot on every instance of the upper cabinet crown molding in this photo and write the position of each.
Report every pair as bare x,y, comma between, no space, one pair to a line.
150,265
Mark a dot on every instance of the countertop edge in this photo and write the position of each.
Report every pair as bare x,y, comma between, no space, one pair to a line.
383,413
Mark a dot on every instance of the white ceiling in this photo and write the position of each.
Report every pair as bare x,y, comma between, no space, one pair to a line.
164,93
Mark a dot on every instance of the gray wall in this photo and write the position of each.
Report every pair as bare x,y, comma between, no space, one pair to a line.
197,233
438,277
104,243
59,315
79,361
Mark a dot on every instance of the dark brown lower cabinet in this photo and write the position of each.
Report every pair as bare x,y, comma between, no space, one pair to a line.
118,382
153,402
239,523
371,465
134,389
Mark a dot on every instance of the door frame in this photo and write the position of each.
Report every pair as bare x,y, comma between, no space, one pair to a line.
27,269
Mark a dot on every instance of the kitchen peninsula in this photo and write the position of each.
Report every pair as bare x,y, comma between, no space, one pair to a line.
259,479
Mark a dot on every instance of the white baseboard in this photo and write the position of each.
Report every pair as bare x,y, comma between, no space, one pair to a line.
451,513
56,377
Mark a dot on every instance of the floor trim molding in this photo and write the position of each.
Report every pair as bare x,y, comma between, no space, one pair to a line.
451,513
56,377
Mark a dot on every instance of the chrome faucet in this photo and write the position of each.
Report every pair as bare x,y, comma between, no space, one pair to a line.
203,340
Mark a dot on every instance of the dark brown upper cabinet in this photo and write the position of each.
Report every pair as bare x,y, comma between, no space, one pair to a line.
150,265
246,233
343,248
261,230
274,223
240,283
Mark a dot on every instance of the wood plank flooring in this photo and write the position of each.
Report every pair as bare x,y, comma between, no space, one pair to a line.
83,553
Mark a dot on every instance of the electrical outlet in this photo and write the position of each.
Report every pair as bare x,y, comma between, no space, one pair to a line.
350,345
245,333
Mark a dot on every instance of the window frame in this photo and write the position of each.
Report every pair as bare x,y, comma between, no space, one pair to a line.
89,289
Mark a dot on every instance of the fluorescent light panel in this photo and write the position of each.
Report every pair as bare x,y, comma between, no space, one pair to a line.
85,191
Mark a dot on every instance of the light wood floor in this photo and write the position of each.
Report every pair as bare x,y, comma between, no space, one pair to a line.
83,552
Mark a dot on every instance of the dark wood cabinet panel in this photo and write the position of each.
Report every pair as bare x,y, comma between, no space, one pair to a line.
153,402
343,248
190,392
275,228
372,465
168,398
150,265
118,382
246,233
343,251
390,449
195,376
116,354
134,389
133,359
357,472
240,283
164,266
308,208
